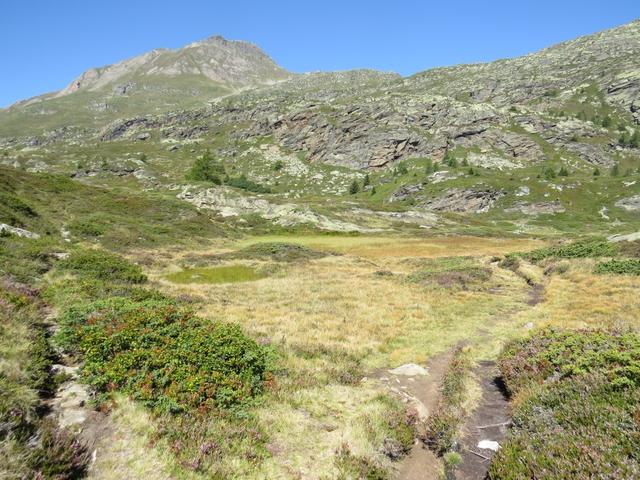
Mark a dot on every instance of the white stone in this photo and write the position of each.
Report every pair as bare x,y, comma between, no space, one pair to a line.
489,445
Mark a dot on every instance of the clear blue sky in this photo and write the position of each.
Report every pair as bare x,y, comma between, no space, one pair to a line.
45,44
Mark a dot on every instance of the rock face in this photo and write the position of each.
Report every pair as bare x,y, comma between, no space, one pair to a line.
464,201
630,204
288,214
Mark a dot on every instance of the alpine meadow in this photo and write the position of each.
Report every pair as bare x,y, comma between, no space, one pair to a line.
214,268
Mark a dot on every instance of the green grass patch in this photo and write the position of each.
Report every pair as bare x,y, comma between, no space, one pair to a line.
224,274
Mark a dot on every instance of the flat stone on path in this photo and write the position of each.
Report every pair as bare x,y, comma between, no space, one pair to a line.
409,370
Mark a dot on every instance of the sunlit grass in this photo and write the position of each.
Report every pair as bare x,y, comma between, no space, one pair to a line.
385,246
224,274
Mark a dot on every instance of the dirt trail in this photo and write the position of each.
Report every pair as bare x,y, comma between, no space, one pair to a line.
420,392
489,421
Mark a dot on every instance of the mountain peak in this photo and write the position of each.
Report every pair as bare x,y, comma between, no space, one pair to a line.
230,63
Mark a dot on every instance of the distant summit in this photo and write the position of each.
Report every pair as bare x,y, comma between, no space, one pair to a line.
232,64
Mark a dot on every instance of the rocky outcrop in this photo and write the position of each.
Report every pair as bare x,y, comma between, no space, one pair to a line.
630,204
405,192
534,209
287,214
464,201
19,232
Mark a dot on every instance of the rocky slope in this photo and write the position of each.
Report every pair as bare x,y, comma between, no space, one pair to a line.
524,136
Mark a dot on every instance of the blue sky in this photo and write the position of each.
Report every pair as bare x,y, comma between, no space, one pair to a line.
45,44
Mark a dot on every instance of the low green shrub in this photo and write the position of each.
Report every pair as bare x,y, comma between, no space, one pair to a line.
163,355
102,265
279,251
577,412
630,266
562,354
585,249
87,227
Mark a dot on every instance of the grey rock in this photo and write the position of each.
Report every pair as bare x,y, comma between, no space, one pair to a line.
464,201
630,204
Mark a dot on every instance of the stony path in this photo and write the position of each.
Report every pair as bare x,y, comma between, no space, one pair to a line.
488,423
420,391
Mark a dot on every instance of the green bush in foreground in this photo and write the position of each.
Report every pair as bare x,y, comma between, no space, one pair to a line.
576,413
163,355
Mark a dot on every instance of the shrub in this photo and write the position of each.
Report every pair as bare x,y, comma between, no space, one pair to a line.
564,354
354,187
548,173
583,249
577,409
630,266
163,355
101,265
279,251
352,466
59,455
87,227
444,423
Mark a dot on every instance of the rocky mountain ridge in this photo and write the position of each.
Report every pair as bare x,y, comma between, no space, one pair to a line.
468,139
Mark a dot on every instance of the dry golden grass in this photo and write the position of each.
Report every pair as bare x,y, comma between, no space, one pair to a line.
398,247
581,299
124,450
330,315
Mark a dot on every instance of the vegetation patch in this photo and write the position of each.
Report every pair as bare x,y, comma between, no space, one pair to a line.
629,266
223,274
162,354
30,445
585,249
444,423
103,266
278,251
576,406
461,272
